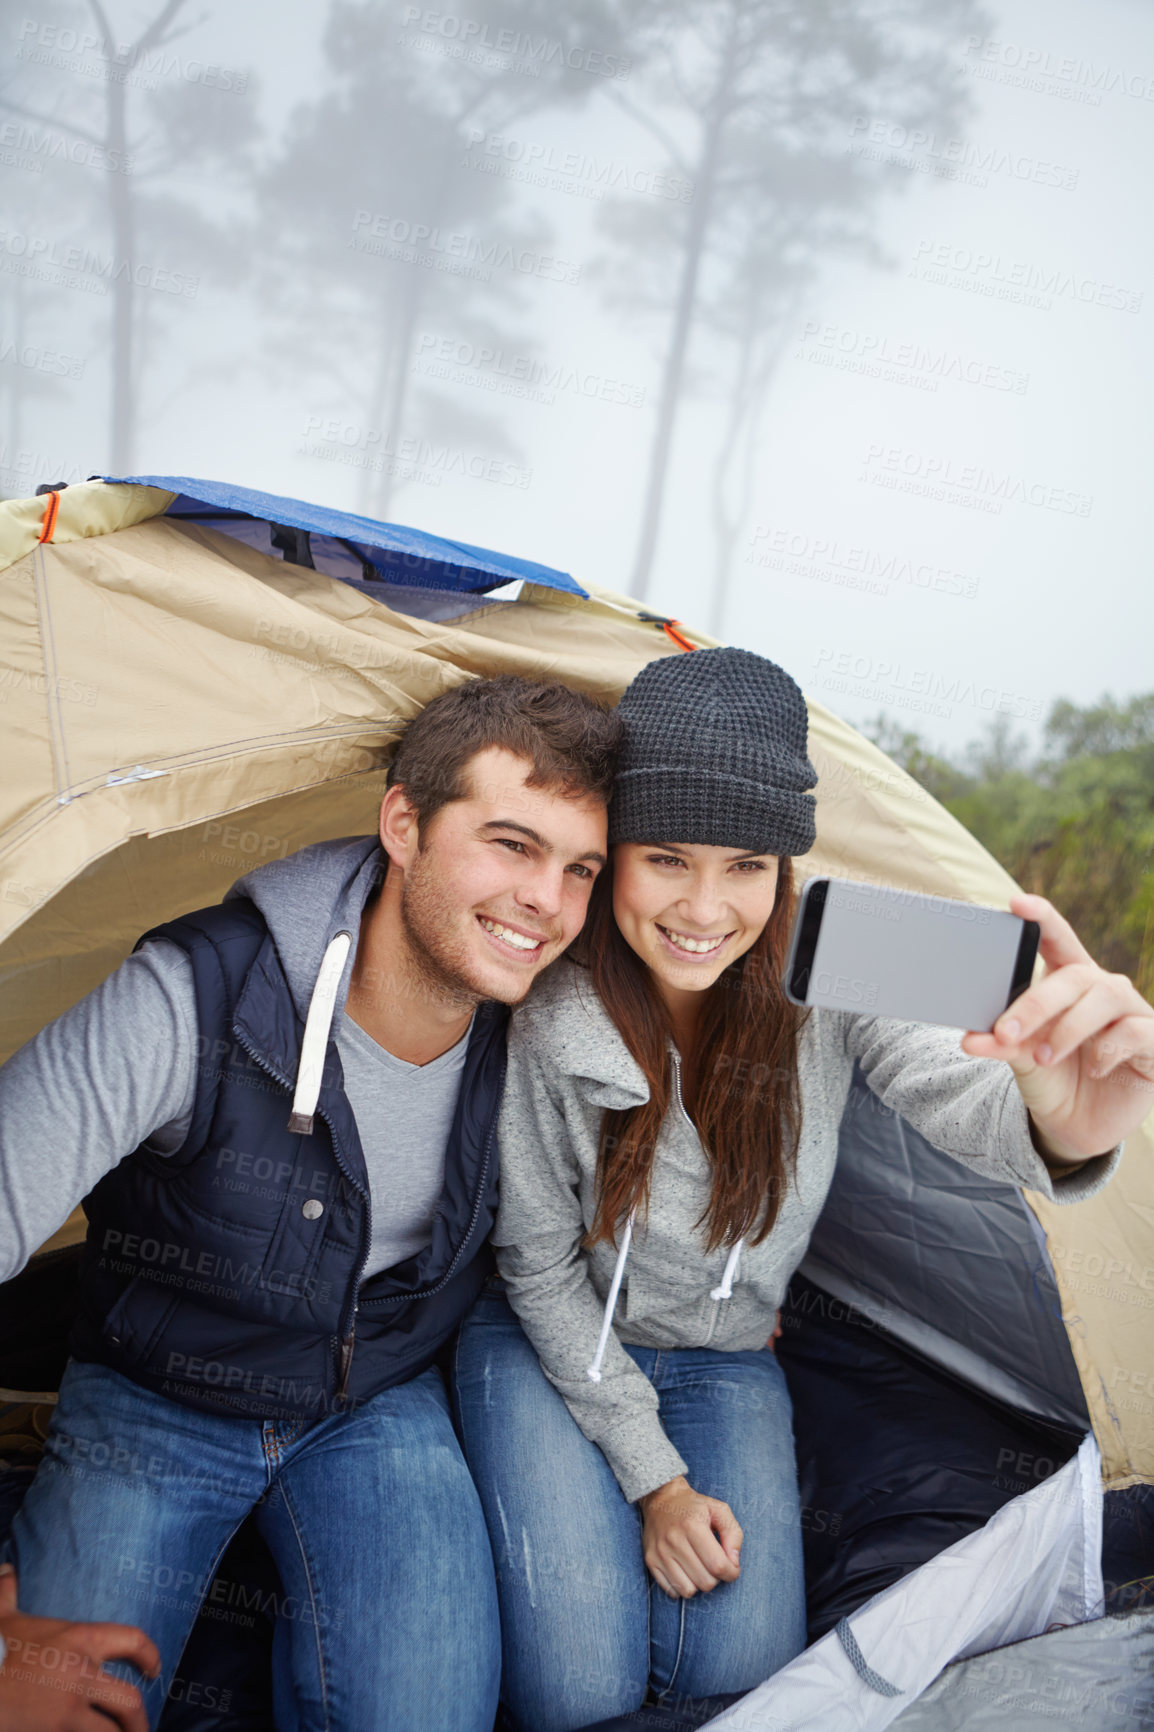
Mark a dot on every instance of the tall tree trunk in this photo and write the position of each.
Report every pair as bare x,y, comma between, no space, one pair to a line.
18,388
725,521
759,354
377,399
398,388
122,431
412,300
673,371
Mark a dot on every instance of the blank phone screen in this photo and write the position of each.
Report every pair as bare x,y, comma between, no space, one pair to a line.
920,958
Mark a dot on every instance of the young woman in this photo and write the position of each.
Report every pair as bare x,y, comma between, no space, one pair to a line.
668,1137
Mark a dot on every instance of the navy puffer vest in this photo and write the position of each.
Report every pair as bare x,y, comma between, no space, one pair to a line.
226,1275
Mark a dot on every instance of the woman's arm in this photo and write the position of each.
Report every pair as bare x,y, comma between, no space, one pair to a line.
967,1107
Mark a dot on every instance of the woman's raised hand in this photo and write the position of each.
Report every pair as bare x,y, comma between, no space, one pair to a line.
690,1542
1079,1041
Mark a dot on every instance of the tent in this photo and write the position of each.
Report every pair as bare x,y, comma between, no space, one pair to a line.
197,677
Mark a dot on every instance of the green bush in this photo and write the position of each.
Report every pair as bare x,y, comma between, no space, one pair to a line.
1073,822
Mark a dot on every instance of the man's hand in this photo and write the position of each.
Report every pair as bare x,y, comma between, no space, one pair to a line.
1080,1043
51,1679
681,1551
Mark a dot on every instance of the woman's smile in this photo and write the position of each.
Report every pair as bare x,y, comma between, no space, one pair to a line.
689,947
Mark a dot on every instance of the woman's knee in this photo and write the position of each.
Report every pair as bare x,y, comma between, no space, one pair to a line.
537,1473
492,1359
735,1640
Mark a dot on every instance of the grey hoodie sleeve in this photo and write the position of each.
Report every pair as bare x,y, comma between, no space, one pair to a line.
117,1069
538,1242
970,1108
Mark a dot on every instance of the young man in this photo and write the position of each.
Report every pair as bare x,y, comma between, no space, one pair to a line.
281,1114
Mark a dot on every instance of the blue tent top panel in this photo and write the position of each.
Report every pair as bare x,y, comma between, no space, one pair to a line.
399,554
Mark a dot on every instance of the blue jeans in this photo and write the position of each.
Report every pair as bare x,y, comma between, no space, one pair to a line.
585,1631
388,1618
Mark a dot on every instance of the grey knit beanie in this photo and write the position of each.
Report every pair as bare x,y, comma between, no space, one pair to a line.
715,753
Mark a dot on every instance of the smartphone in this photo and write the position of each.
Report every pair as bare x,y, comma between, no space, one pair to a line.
882,952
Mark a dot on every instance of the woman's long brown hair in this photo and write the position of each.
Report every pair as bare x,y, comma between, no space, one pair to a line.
748,1107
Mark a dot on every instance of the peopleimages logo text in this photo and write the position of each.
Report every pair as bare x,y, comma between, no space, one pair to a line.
521,45
915,146
849,671
1065,68
53,44
1015,274
427,244
997,486
539,160
39,256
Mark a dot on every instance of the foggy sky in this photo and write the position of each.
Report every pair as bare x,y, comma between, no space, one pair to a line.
949,500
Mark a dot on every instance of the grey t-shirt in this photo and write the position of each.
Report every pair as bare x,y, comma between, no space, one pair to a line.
404,1113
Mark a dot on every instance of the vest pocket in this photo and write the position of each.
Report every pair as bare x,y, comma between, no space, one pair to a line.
290,1263
139,1318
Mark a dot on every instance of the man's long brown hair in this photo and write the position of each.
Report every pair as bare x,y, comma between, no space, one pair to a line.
748,1106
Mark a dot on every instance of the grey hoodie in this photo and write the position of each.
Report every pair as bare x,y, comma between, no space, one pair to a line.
567,1063
120,1066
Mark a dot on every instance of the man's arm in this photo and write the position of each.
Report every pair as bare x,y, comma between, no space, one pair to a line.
117,1069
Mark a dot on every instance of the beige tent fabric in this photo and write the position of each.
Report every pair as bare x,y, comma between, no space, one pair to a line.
1103,1256
181,707
88,509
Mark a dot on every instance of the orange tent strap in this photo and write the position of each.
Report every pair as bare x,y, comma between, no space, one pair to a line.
669,626
48,527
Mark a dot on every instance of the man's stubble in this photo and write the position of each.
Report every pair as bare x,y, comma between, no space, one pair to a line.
438,961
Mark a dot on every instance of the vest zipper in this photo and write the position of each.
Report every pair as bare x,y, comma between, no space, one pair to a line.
346,1349
344,1341
346,1346
346,1360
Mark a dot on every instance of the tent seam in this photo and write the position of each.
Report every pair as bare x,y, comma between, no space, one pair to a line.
51,680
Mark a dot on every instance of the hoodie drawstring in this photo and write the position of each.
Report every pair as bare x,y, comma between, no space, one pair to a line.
725,1291
594,1370
315,1043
